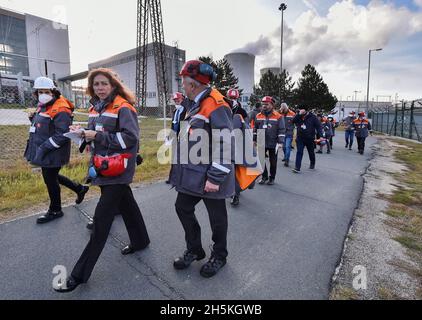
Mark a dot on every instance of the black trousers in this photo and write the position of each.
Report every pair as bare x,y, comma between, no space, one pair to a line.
217,212
53,180
114,199
301,144
273,163
361,143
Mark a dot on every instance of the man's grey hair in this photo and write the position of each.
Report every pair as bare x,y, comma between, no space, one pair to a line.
195,83
284,106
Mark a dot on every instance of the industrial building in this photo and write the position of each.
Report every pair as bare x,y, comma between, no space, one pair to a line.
243,65
30,47
124,64
343,108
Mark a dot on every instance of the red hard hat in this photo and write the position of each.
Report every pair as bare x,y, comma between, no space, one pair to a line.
178,96
199,71
111,166
233,94
268,99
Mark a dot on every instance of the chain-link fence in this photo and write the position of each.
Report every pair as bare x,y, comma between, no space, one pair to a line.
402,120
17,100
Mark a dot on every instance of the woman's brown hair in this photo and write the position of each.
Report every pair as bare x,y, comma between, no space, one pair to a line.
115,82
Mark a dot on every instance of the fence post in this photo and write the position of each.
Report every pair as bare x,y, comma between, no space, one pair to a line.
402,119
411,120
382,121
388,120
395,121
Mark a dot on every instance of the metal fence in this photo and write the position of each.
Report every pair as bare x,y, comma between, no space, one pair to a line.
16,100
402,120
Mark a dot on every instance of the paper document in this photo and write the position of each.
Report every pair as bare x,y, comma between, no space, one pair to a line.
75,136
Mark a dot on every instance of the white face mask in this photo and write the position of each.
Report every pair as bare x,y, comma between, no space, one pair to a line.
44,98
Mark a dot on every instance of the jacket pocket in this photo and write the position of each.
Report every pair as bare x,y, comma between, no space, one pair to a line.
193,179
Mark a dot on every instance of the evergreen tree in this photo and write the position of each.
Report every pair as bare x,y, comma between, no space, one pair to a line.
270,85
225,77
313,92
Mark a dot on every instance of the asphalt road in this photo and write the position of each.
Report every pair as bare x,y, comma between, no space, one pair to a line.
284,242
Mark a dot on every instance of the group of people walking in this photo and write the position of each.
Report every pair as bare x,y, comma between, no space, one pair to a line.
112,138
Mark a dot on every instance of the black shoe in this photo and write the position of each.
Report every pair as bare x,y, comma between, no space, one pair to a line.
263,181
90,225
71,284
212,267
328,152
128,250
235,201
167,181
286,163
187,259
312,167
319,152
350,148
361,152
271,182
295,170
347,145
252,186
81,194
49,216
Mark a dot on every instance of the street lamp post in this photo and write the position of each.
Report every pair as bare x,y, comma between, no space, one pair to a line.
369,75
282,8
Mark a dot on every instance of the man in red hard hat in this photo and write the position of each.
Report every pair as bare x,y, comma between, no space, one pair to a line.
233,96
362,128
210,180
275,132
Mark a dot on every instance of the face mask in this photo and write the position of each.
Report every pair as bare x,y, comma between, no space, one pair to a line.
44,98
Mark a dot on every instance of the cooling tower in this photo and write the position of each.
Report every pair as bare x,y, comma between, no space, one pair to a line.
243,65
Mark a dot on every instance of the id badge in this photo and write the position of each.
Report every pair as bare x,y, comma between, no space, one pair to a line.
99,128
264,126
32,129
303,126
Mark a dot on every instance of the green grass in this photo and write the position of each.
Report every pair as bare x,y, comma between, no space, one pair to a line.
20,188
409,242
405,210
12,106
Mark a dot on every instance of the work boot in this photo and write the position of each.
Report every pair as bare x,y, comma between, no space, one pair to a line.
271,182
49,216
319,152
286,163
212,267
90,225
81,194
71,284
328,151
350,148
235,201
187,259
347,145
263,181
312,167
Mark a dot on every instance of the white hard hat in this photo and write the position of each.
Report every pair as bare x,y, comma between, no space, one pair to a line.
44,83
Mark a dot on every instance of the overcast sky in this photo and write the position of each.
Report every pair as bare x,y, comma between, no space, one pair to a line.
335,36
